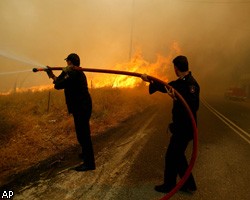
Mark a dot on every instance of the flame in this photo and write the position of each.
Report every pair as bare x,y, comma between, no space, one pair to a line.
138,63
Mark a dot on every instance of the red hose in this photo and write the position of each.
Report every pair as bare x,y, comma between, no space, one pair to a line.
177,94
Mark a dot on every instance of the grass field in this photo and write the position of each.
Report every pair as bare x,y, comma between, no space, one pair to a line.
31,129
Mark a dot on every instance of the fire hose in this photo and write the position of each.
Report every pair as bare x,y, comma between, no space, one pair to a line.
174,94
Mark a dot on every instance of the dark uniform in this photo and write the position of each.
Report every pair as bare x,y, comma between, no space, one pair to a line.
181,129
79,104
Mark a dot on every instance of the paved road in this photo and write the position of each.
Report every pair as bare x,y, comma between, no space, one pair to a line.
130,159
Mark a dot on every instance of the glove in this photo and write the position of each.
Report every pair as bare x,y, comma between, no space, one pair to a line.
67,69
144,77
49,72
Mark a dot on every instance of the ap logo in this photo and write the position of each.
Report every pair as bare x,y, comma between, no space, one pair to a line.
7,194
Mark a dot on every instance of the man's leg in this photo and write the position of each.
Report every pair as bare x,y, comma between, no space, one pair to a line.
182,167
83,135
170,172
176,163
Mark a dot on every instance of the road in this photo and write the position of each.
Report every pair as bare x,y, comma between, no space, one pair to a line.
130,159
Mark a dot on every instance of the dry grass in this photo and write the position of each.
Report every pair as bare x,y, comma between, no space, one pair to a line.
29,133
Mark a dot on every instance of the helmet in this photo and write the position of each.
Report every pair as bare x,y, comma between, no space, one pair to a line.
74,58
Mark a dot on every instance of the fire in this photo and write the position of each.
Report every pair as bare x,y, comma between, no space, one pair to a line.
159,68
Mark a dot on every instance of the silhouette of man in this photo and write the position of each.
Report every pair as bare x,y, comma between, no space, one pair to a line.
79,104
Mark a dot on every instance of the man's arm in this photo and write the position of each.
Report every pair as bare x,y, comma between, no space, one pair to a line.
62,80
154,86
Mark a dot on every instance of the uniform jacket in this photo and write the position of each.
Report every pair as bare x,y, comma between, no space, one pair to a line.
188,87
76,92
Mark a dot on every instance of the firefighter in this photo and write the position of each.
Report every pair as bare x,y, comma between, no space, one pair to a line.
79,104
181,127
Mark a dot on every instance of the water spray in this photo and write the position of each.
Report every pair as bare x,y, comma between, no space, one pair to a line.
168,88
19,59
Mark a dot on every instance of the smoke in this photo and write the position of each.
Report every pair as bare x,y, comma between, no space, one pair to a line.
213,34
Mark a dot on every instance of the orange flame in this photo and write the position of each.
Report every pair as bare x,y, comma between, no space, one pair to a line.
159,68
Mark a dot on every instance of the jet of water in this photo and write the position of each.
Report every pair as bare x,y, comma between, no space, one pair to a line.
20,59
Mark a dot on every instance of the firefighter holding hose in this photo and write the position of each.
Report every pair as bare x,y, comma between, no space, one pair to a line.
181,127
79,104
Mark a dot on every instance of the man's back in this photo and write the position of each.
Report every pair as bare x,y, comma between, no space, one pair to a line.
188,87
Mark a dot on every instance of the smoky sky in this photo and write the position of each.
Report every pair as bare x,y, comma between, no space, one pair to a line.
213,34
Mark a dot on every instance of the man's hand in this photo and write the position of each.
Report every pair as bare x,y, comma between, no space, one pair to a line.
171,93
67,69
49,72
144,77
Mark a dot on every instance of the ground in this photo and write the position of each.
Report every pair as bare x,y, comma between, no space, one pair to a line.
130,160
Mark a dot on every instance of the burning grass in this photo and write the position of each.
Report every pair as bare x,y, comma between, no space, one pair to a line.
31,131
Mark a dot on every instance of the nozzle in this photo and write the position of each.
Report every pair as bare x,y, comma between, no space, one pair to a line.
38,69
35,70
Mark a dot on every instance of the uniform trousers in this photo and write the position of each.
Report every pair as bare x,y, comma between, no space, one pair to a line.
82,127
176,163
